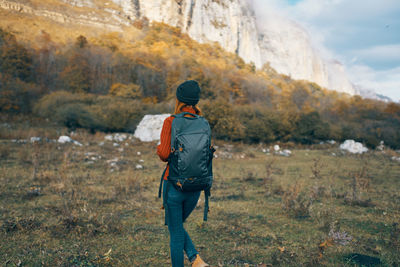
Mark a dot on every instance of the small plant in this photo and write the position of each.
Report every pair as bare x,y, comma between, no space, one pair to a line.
4,152
20,224
35,161
127,187
317,191
268,179
316,168
392,246
248,174
324,217
358,181
283,257
335,237
296,202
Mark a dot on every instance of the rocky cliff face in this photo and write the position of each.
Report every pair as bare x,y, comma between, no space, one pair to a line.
110,22
288,49
232,23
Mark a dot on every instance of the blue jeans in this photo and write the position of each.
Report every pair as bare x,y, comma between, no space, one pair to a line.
180,205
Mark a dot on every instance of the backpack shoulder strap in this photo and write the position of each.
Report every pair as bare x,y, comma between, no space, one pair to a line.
207,194
183,114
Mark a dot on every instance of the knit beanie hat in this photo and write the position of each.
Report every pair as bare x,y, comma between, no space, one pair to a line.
188,92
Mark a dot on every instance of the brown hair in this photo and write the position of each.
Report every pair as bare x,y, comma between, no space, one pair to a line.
180,105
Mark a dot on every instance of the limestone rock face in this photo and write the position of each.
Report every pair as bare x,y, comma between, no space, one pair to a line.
285,45
230,23
80,3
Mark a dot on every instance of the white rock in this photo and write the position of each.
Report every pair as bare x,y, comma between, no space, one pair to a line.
115,144
112,160
139,167
101,144
276,147
396,159
141,161
332,142
264,150
149,129
138,153
108,137
117,137
121,149
285,153
120,137
76,143
381,146
64,139
353,147
35,139
90,154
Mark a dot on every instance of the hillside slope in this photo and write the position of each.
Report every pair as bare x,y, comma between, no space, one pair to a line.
282,44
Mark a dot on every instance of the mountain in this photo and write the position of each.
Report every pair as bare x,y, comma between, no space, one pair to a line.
281,43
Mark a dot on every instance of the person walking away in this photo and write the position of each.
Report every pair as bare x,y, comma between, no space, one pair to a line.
185,143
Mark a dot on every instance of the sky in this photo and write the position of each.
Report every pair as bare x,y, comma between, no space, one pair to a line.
364,35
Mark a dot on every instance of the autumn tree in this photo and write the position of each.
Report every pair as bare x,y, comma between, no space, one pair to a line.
15,59
126,90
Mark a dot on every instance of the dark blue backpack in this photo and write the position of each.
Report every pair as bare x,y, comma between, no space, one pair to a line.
190,160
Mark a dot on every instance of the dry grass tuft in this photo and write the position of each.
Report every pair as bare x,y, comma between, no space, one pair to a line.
296,202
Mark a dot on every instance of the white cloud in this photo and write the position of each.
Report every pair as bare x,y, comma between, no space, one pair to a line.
342,11
379,53
386,82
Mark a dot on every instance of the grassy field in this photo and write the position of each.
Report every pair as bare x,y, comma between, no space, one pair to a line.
91,205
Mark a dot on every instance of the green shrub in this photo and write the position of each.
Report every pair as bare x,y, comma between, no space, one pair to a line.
259,124
118,114
224,124
310,128
75,115
17,96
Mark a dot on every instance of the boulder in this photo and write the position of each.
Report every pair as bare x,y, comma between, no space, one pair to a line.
149,129
353,147
66,139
